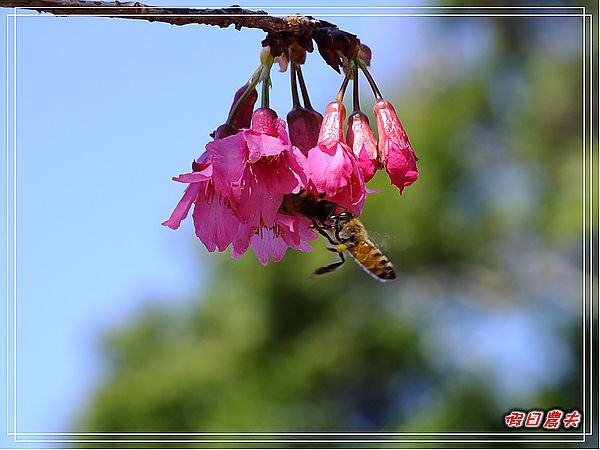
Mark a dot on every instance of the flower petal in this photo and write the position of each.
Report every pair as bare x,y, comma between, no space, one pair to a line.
353,195
330,170
228,156
215,223
195,177
260,145
266,244
401,165
368,166
295,160
258,202
183,207
242,241
296,231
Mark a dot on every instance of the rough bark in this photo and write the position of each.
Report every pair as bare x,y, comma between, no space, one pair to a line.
223,17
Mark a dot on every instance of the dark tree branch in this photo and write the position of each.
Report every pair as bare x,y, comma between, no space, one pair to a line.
283,33
303,26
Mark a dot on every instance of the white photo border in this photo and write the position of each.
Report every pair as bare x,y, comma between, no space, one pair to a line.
588,207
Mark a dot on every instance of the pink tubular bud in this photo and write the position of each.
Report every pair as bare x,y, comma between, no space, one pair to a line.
244,113
304,126
332,128
395,151
332,167
263,121
361,140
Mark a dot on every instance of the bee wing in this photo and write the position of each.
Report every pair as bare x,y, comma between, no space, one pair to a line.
381,240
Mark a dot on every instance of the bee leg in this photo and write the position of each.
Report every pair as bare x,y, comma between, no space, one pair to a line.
338,248
331,267
337,233
323,233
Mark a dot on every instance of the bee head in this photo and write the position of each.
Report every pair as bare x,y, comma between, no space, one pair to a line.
342,217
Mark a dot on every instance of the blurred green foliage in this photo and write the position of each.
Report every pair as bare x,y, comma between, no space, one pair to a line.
478,242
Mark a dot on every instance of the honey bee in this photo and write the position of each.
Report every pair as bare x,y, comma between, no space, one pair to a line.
314,207
348,234
343,231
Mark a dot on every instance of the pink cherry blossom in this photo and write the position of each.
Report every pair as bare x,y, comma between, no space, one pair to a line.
215,221
332,167
256,167
237,187
395,151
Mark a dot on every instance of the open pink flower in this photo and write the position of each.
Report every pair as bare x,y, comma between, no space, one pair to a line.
237,187
256,167
363,144
215,221
332,167
395,151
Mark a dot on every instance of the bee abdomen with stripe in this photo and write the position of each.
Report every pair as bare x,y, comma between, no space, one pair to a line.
375,263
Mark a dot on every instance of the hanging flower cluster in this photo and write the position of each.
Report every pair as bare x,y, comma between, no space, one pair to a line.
238,184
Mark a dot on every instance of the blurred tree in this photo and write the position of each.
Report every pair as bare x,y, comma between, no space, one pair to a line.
477,241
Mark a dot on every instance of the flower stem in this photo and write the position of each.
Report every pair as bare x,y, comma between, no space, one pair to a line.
254,80
340,96
370,79
266,81
264,103
295,98
355,96
305,97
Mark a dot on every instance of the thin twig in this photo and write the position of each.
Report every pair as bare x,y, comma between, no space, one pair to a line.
222,17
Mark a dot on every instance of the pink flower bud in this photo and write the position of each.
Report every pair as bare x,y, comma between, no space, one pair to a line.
361,140
242,118
332,128
365,53
395,151
332,167
263,121
223,131
304,126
